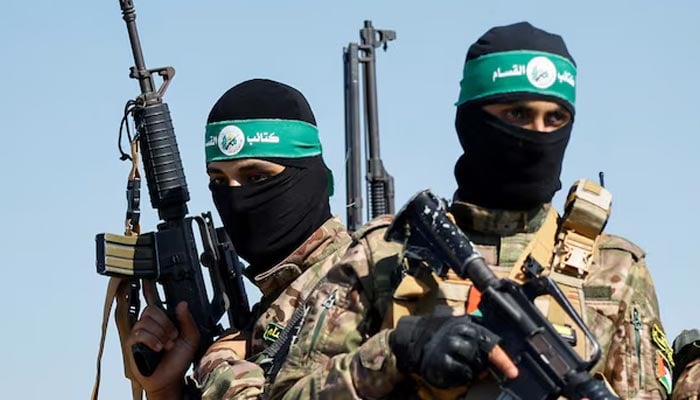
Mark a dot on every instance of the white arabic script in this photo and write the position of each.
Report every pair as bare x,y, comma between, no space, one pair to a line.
263,137
517,70
566,77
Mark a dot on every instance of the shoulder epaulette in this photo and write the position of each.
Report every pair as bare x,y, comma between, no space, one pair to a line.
608,241
382,221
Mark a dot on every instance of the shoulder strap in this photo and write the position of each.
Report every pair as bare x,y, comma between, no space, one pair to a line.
564,247
540,248
116,290
587,212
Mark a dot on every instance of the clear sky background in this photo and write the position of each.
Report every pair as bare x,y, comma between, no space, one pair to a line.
64,80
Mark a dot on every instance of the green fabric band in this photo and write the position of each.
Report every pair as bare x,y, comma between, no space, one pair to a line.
256,138
517,72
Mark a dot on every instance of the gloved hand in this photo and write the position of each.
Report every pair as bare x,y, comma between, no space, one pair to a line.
445,351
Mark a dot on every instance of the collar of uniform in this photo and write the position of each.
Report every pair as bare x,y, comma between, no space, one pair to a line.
324,241
473,218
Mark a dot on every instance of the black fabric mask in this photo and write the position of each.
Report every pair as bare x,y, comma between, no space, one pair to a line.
269,220
505,166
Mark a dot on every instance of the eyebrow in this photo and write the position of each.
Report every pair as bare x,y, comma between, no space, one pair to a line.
247,165
524,104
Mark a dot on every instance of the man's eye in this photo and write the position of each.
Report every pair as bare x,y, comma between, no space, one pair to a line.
218,181
557,118
517,115
257,178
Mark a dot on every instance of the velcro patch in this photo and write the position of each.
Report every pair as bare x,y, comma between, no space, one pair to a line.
663,372
473,300
659,338
272,332
597,292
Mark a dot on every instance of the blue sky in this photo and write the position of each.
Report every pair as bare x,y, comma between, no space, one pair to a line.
64,80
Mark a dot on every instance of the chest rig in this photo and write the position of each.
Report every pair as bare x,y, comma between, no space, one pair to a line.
564,247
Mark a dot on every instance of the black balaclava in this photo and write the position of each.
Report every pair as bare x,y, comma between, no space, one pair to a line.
505,166
269,220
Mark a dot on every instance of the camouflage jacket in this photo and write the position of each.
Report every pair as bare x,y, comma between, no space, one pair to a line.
342,351
687,387
687,356
222,374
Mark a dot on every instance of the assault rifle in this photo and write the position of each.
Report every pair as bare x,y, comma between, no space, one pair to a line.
548,366
169,256
380,185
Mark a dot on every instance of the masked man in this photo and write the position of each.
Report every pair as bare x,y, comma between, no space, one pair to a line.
380,327
271,188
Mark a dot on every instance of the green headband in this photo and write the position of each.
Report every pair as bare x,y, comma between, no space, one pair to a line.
256,138
518,71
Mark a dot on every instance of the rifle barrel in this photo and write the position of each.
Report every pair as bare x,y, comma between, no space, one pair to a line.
353,154
129,15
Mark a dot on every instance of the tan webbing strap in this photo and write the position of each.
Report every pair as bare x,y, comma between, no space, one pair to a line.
561,320
121,313
587,210
131,227
541,248
567,259
107,309
117,290
114,287
121,317
404,300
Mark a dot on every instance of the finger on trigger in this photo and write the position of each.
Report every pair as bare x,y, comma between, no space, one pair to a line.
150,292
188,326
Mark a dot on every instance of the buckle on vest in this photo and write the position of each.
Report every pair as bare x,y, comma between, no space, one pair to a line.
573,255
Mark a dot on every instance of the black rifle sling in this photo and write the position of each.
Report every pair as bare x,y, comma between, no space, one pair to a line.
272,357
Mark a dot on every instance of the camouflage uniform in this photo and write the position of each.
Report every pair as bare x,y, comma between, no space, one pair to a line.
687,387
222,374
687,356
343,352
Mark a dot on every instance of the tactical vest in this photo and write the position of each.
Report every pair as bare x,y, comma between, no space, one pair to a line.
563,246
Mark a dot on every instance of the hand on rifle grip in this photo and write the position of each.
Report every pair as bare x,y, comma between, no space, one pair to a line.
161,354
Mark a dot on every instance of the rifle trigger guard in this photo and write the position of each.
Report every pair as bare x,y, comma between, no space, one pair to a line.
535,287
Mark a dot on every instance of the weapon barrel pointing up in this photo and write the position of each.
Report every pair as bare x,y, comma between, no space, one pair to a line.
165,174
380,191
129,15
353,154
380,185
